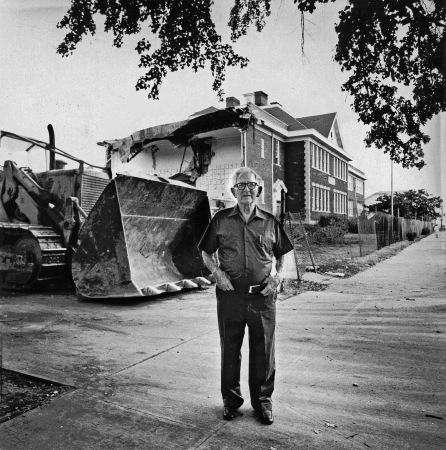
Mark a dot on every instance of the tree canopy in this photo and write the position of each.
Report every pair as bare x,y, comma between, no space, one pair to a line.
411,204
393,50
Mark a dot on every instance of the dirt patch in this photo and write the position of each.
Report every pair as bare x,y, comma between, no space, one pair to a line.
352,266
294,287
21,393
347,266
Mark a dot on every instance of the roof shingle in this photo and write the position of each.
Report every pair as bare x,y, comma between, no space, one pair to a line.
321,123
293,124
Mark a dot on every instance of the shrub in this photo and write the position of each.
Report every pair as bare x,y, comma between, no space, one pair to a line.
310,229
425,231
325,221
333,220
411,235
331,234
352,226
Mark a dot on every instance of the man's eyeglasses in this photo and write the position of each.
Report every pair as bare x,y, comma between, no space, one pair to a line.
242,186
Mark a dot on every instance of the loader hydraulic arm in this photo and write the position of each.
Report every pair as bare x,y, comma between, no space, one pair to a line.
23,198
15,177
73,220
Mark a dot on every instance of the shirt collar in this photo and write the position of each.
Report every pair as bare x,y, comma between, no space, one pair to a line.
257,212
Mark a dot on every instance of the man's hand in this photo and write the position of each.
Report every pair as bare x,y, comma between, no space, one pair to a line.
272,284
222,280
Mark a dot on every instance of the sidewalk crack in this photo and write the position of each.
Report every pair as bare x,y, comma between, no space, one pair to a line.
163,351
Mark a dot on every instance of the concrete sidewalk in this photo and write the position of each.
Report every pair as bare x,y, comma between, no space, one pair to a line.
360,365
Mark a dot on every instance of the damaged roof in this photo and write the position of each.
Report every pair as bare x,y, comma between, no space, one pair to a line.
202,112
180,132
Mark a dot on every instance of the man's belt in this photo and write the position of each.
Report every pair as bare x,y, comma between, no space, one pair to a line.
255,289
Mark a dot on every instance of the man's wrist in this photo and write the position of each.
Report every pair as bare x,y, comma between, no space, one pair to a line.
278,278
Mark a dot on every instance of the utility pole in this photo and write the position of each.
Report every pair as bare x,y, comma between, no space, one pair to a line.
391,202
357,220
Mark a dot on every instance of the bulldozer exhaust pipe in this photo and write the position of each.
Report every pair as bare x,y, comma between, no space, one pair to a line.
52,146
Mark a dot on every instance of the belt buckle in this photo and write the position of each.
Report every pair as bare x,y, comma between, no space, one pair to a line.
252,287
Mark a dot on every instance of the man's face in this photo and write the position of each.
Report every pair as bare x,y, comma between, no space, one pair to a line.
246,196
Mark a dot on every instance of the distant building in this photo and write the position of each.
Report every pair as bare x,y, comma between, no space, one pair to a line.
372,198
302,160
356,191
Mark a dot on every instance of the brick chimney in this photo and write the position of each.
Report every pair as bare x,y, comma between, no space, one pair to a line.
259,98
232,101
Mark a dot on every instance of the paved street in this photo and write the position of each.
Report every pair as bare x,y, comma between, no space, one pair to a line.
360,365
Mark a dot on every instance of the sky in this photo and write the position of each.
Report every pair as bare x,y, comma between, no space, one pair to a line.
90,96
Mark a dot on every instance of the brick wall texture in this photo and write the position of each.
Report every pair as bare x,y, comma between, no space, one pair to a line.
294,161
261,165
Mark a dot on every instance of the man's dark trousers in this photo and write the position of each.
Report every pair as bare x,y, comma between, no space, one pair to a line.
235,311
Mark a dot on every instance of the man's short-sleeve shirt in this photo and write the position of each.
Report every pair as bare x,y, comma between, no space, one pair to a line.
245,250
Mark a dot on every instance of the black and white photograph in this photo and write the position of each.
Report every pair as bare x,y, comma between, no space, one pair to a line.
222,224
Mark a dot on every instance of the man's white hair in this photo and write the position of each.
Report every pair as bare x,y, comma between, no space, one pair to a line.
242,170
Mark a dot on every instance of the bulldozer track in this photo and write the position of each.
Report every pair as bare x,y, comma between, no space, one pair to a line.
50,263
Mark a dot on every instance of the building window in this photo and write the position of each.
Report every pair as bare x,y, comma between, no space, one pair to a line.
340,169
321,198
350,183
320,158
262,148
276,157
360,187
350,208
340,202
243,148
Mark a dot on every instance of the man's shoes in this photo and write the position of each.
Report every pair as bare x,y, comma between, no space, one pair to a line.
230,413
266,415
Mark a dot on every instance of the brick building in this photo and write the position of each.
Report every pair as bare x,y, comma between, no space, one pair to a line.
356,191
302,161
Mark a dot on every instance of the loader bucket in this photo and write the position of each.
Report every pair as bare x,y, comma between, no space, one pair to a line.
141,239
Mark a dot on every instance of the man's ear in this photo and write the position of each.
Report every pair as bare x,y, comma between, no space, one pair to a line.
259,191
233,192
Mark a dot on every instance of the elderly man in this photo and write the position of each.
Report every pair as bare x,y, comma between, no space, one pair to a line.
238,247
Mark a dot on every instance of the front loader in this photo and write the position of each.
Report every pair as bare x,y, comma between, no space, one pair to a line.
122,237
